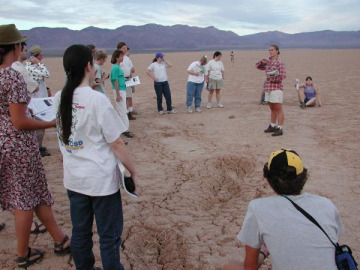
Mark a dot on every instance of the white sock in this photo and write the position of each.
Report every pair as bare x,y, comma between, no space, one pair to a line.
279,127
272,125
131,109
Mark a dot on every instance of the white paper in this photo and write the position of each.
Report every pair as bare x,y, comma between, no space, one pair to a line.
132,81
273,73
297,84
43,108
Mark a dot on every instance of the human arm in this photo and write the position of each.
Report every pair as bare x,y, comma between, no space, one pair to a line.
280,67
21,122
151,75
123,154
223,74
117,91
36,68
168,64
261,64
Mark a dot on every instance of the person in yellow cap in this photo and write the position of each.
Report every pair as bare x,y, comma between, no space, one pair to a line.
23,185
272,225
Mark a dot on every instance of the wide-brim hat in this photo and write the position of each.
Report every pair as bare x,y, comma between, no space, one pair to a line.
9,34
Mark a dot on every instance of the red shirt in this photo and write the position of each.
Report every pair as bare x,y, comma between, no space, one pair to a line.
273,83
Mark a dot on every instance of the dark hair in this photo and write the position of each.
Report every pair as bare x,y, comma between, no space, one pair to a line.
286,182
120,45
4,50
276,48
308,77
217,53
75,60
91,46
116,55
23,44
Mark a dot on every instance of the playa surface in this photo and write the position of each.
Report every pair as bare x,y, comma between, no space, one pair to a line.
198,172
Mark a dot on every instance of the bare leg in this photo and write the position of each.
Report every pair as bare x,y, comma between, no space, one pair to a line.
311,102
273,113
128,103
46,216
301,95
217,95
211,92
23,221
280,113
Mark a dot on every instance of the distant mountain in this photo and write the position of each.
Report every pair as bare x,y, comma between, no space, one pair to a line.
151,37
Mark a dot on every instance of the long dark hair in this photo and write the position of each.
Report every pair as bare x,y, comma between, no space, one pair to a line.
75,60
116,54
4,50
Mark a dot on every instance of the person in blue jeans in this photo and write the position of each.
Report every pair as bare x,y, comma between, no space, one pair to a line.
88,131
157,72
195,84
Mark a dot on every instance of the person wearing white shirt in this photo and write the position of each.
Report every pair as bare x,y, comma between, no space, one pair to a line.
128,68
215,79
157,72
31,84
195,84
89,132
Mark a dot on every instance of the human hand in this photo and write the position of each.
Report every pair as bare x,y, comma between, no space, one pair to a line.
118,98
264,61
53,123
34,60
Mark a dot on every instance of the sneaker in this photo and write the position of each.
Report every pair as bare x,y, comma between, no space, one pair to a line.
270,129
134,112
277,132
161,112
302,105
208,106
172,111
189,109
197,109
44,152
219,105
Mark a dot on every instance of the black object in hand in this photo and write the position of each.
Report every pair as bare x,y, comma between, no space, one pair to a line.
129,184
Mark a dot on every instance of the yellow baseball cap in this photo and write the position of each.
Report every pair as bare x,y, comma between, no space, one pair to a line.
280,159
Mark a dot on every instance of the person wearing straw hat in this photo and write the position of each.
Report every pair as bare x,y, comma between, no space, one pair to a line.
23,185
273,225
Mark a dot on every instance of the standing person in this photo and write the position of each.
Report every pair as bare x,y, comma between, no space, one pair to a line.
23,186
293,241
100,76
232,57
31,84
275,74
118,85
128,68
157,72
309,94
39,72
86,121
215,78
195,84
130,100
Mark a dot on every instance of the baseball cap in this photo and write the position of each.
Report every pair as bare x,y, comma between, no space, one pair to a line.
280,159
159,54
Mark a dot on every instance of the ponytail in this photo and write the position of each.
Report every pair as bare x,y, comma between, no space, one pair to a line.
75,60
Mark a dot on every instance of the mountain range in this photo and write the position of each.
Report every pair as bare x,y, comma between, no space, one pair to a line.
153,37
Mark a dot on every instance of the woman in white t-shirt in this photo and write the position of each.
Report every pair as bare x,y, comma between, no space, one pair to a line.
157,72
89,132
215,79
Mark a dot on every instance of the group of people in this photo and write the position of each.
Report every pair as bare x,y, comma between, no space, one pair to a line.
89,133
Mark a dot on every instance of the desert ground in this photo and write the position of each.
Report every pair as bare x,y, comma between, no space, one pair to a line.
198,172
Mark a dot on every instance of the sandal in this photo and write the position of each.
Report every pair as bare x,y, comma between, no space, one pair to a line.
2,226
33,256
38,229
59,249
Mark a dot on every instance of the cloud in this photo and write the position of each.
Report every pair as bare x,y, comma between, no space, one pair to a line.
240,16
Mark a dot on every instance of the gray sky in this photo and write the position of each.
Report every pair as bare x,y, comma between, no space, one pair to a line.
242,17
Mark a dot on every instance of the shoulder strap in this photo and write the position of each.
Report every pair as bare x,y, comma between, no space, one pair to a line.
313,220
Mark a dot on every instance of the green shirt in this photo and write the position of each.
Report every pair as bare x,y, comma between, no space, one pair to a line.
117,74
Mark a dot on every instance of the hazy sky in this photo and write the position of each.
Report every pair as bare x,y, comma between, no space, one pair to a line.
242,17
